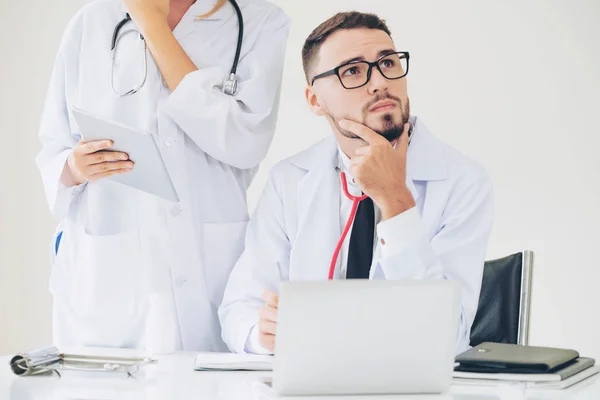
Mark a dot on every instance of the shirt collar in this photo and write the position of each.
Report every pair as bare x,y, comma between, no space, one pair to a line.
343,164
203,6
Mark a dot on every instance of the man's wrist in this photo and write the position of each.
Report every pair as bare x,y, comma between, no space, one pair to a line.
392,206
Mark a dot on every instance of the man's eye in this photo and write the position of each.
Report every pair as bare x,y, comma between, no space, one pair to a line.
352,71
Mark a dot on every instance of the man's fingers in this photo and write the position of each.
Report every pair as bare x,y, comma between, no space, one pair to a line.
362,131
268,314
104,156
363,151
106,174
358,160
267,327
267,341
270,298
92,147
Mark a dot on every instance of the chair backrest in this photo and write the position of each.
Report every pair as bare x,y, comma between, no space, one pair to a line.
504,304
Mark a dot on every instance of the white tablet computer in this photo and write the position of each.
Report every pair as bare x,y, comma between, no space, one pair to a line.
149,173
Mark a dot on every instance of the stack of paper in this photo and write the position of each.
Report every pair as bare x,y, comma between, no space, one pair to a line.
576,372
233,362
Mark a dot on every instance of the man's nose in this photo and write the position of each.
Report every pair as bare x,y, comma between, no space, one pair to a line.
378,82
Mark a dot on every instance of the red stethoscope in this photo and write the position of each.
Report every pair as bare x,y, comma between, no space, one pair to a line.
355,201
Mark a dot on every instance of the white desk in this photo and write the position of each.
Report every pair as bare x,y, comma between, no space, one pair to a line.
173,378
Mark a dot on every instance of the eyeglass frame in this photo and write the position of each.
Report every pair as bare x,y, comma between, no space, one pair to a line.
336,70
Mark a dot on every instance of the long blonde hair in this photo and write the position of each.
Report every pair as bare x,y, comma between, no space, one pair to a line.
217,7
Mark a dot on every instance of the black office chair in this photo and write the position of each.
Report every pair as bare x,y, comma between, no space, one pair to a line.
505,301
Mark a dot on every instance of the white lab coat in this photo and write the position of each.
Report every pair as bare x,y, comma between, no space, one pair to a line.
296,226
120,246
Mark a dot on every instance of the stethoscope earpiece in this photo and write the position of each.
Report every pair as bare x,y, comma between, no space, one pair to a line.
411,131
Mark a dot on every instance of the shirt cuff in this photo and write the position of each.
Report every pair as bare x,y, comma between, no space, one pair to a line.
397,233
65,196
253,343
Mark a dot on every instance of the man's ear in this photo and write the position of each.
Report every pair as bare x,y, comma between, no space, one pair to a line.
313,101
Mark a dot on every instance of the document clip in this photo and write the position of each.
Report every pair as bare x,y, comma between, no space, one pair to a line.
50,360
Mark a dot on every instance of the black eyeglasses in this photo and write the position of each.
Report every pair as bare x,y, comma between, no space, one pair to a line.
355,74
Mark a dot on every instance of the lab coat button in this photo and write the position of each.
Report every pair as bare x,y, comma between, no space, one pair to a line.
180,281
176,210
169,142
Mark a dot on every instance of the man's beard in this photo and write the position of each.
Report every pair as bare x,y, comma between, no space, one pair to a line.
389,131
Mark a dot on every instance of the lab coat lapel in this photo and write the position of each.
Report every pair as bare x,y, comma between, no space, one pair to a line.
426,160
318,213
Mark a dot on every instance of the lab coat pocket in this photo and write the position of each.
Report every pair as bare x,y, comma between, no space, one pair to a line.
105,274
108,209
223,245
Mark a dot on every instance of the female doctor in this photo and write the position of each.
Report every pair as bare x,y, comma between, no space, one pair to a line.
131,269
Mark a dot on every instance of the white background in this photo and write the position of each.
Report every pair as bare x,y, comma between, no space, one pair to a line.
512,83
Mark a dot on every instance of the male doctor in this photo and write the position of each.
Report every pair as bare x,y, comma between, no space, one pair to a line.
429,209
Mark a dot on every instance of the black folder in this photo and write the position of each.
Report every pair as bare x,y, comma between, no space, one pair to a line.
514,359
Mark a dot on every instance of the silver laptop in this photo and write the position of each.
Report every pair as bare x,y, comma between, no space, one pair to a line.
366,337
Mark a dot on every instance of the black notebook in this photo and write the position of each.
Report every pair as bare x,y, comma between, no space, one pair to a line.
514,359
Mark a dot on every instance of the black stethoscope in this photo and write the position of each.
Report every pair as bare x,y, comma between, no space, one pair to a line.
230,84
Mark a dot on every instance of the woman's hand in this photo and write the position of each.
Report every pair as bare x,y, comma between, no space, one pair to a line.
92,161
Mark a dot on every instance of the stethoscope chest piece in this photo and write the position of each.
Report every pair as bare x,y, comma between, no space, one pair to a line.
230,85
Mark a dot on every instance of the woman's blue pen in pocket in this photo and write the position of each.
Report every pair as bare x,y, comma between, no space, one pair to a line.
57,243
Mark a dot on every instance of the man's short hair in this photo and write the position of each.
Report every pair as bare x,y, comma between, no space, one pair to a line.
343,20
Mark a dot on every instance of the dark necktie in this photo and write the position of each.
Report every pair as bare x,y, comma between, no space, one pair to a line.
360,251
